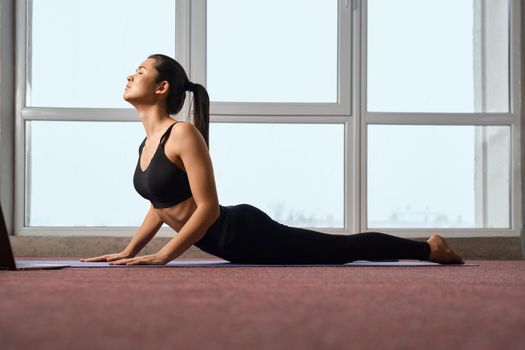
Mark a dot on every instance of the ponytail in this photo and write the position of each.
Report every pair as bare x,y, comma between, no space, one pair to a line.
171,71
201,109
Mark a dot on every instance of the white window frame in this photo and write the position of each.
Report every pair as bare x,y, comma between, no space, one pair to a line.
340,108
342,112
511,119
26,113
349,111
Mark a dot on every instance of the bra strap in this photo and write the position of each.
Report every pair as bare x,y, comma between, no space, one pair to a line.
167,133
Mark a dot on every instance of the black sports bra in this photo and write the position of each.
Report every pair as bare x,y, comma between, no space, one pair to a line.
163,183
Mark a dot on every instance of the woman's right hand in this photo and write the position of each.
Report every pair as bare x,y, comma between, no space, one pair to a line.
109,257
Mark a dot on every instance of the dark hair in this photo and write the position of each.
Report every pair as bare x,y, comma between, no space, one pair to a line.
171,71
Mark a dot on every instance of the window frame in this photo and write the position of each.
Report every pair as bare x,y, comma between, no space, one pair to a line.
350,110
343,112
24,113
511,119
343,105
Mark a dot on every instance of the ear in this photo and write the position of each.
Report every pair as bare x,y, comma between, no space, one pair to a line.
162,87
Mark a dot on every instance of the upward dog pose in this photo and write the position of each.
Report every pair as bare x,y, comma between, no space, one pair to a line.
174,171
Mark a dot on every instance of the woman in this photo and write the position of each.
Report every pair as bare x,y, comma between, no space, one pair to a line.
174,171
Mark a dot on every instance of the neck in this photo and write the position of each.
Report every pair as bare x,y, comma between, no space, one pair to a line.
154,118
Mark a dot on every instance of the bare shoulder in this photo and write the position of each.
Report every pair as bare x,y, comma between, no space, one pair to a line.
182,129
185,135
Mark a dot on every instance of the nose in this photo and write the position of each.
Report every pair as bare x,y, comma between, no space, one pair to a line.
130,78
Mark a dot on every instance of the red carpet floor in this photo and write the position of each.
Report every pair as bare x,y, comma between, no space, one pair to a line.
266,308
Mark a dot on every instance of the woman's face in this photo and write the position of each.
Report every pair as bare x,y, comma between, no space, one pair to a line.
142,85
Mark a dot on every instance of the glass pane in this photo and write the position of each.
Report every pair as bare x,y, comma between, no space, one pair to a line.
292,172
82,50
272,51
438,56
438,176
81,174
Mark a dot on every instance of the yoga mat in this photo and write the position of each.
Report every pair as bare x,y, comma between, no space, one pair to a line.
223,263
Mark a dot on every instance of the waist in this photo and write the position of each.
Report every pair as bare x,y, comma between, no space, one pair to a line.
176,216
218,225
213,239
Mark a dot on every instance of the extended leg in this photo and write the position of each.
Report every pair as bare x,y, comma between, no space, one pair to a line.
260,239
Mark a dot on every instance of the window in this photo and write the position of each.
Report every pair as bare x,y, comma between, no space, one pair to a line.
277,57
293,172
439,56
79,136
75,61
440,119
400,116
254,54
81,173
438,176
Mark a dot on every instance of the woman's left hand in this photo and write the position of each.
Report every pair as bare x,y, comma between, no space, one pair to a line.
155,259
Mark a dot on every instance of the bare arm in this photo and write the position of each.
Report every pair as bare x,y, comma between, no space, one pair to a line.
144,234
194,153
192,150
149,228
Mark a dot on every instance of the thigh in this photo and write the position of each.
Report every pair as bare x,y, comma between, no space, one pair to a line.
257,238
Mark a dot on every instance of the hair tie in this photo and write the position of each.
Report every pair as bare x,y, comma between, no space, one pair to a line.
189,86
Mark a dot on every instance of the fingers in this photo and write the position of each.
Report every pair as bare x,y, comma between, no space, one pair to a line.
104,258
95,259
137,261
134,262
113,258
140,260
122,261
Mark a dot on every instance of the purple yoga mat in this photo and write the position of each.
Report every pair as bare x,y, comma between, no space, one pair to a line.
223,263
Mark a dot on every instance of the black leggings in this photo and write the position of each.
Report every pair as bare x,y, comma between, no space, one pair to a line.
245,234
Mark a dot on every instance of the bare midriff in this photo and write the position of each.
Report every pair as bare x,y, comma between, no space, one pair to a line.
177,215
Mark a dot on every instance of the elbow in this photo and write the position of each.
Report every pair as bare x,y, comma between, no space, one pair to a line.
211,211
215,212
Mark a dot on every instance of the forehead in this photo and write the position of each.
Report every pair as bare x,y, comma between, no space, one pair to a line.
148,63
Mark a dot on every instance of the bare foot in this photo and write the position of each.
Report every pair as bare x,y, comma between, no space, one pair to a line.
440,252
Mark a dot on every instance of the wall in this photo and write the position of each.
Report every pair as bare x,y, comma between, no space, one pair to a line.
7,109
523,128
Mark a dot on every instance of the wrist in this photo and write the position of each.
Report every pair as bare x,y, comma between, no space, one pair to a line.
163,256
129,252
